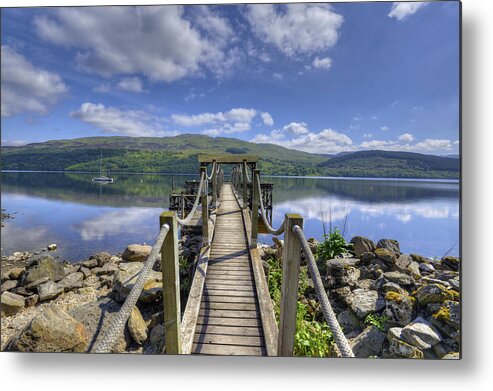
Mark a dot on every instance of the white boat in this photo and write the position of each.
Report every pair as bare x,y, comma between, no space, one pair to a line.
102,178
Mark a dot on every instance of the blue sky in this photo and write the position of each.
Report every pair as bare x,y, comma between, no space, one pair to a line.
314,77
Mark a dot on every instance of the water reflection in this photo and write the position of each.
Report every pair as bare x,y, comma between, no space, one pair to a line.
83,217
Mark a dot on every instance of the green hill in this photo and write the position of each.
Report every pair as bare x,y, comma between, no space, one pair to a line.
179,155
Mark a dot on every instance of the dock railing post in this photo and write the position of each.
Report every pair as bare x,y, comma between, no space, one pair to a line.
255,205
214,184
245,184
171,284
205,208
291,256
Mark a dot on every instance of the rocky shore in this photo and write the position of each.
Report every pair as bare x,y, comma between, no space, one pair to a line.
53,306
389,304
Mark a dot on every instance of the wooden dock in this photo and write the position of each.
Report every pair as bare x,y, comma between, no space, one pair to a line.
229,321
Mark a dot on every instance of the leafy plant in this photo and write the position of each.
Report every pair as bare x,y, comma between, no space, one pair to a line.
377,321
333,244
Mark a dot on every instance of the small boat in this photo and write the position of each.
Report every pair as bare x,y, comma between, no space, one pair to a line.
101,178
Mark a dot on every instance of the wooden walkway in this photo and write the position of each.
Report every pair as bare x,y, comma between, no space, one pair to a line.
229,321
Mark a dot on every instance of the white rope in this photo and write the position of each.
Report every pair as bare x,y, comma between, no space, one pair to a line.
329,315
189,217
271,230
212,171
246,172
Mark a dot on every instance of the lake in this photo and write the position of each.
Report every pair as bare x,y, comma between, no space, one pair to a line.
83,217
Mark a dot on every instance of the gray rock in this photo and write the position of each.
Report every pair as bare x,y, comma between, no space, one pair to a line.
429,280
451,356
413,268
421,334
365,284
90,263
136,253
399,278
32,300
46,267
402,262
126,277
433,293
20,290
394,332
451,263
393,287
51,247
399,308
362,245
157,340
8,285
389,244
401,349
35,284
49,291
72,281
455,284
386,256
349,321
426,268
97,316
368,343
450,314
53,330
11,303
102,257
16,272
364,302
85,271
137,326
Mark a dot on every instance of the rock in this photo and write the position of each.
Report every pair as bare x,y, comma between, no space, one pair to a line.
449,313
421,334
402,262
413,269
88,290
451,356
445,347
91,315
11,303
32,300
429,280
137,326
399,278
399,308
102,257
49,291
365,284
278,243
366,258
389,244
362,245
35,284
368,343
313,244
349,321
8,285
364,302
338,277
379,283
51,247
136,253
340,294
420,258
386,256
426,268
85,271
401,349
455,284
393,287
106,269
20,290
16,272
157,339
72,281
451,263
434,293
394,333
53,330
126,277
106,281
90,263
46,267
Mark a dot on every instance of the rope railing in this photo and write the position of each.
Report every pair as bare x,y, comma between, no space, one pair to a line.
246,172
190,215
117,325
269,228
209,177
327,310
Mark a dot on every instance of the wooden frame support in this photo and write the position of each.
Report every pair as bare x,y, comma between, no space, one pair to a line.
245,185
291,256
255,205
205,219
171,284
214,184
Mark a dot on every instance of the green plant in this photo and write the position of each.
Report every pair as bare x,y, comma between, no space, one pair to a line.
377,321
333,244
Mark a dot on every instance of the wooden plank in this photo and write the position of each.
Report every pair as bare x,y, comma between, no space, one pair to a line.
230,330
229,314
216,292
228,299
229,306
220,287
236,322
230,282
228,350
229,278
236,340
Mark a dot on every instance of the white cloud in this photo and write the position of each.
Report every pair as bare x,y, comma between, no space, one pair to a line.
277,76
115,121
156,41
13,143
406,137
131,84
384,128
374,117
267,119
367,135
295,128
295,28
26,88
402,10
322,63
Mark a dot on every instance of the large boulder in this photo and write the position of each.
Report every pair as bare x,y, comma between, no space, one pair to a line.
449,313
16,272
72,281
349,322
386,256
399,308
434,293
368,343
399,278
53,330
45,267
421,334
8,285
137,326
390,244
362,245
451,263
364,302
97,317
126,277
401,349
49,291
11,303
136,253
341,272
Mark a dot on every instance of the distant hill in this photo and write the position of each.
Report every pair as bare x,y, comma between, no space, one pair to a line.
179,155
391,164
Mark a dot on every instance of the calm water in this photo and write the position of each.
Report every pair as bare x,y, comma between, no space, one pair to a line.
83,217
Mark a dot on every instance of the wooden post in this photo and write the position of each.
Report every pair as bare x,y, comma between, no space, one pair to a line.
203,170
245,184
214,185
182,205
171,284
205,220
291,255
255,206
